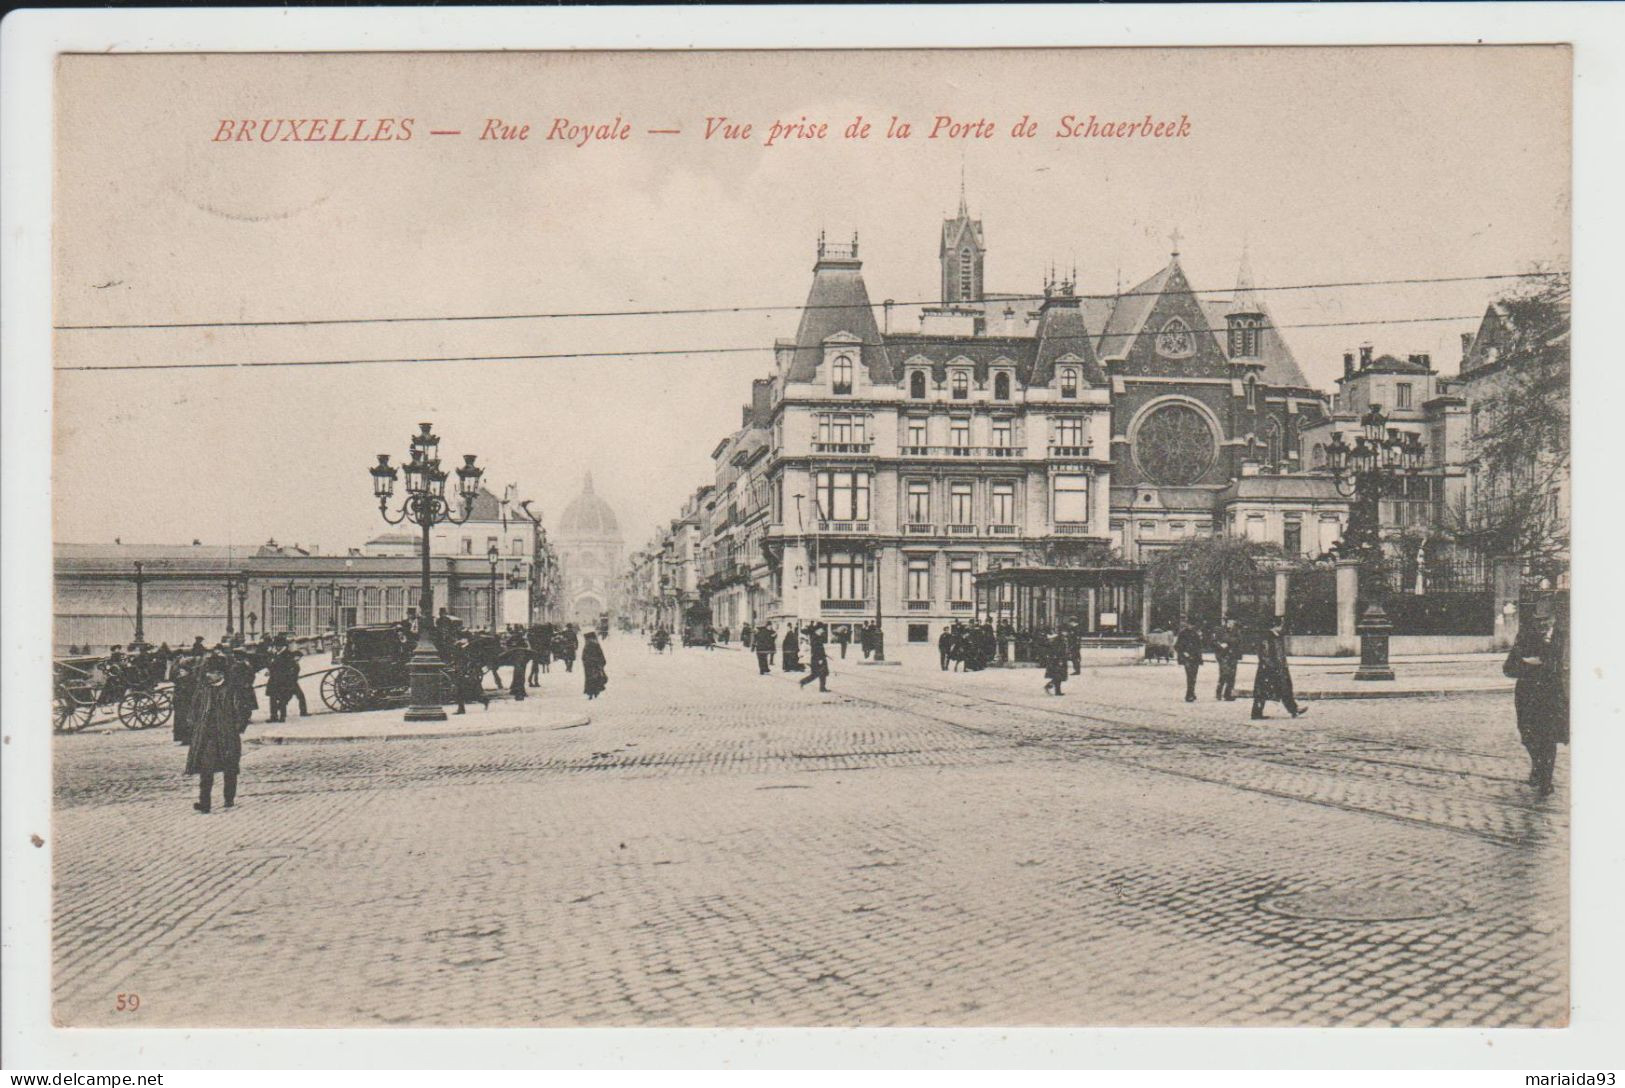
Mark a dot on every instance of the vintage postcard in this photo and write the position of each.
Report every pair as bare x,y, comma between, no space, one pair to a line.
862,538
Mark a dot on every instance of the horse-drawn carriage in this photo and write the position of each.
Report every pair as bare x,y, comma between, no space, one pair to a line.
374,666
82,686
372,669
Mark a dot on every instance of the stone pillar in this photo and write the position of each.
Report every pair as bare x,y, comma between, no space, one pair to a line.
1281,580
1348,598
1504,578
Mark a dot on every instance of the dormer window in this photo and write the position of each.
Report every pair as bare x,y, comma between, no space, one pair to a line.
1001,386
916,385
959,383
841,375
1069,384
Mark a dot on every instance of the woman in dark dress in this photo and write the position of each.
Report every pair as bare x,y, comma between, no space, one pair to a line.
791,662
217,728
592,664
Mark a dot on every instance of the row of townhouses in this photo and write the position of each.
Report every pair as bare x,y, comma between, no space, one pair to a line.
887,474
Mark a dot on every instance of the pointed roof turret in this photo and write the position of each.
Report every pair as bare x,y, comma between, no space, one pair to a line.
837,303
1245,300
1063,334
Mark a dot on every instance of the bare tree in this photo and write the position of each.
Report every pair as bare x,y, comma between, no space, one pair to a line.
1520,455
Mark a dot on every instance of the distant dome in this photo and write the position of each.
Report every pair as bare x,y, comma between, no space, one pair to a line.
588,515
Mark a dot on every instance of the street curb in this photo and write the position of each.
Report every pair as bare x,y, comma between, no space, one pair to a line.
1306,696
572,722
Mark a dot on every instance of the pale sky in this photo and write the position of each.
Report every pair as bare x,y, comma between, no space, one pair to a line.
1329,164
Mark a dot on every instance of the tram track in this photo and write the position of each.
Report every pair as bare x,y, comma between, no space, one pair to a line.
1136,745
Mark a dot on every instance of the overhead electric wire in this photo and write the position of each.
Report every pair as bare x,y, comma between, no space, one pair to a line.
906,340
695,310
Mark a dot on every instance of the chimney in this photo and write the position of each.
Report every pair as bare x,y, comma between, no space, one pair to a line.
1348,364
1365,356
1426,359
1466,344
886,326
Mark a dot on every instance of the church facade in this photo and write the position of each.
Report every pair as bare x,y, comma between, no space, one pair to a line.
590,555
1012,431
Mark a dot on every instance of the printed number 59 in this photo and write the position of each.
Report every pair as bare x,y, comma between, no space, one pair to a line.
127,1003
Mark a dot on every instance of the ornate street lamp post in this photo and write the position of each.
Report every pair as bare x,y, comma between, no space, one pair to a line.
140,582
1374,466
493,557
231,586
425,506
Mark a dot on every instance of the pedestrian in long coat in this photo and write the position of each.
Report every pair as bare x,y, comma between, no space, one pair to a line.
518,655
217,728
1273,681
1227,652
1188,649
184,674
592,664
467,676
764,648
1539,661
282,684
565,648
1057,663
792,650
818,655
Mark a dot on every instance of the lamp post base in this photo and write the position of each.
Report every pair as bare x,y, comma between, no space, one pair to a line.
427,672
1374,630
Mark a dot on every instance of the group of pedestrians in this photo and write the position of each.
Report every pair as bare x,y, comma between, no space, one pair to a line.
214,700
965,647
1271,683
528,652
766,643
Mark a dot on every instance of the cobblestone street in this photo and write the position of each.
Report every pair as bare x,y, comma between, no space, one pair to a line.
915,847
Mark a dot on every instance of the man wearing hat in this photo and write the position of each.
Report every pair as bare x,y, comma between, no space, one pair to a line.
1539,661
282,680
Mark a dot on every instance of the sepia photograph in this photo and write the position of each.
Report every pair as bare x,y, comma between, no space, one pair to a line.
955,538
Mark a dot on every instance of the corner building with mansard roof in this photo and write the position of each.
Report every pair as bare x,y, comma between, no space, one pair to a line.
1035,432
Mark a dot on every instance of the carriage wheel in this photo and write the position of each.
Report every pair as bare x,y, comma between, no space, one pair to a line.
166,705
141,710
346,688
68,714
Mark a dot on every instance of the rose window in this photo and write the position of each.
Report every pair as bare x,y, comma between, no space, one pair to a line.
1174,445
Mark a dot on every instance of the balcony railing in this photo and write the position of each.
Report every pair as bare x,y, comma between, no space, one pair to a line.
1070,451
918,606
1074,529
1008,452
962,606
919,528
842,447
836,604
843,526
961,530
1003,530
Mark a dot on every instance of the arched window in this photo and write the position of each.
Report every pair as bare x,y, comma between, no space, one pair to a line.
967,273
1251,386
841,376
960,384
1320,455
1001,386
916,385
1069,383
